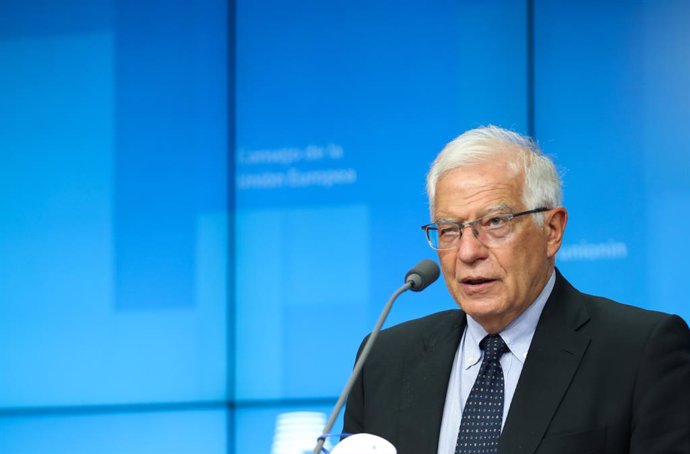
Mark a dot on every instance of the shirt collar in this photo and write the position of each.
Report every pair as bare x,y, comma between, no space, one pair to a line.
517,335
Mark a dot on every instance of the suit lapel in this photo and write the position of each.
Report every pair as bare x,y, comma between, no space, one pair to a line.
424,386
554,356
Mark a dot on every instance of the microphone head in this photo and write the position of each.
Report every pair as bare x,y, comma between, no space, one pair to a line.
422,275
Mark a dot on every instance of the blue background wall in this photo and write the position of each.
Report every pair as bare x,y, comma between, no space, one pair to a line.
205,205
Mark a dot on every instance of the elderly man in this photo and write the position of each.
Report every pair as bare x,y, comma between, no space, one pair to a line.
529,364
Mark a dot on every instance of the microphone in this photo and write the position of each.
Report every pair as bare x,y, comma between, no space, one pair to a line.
422,275
417,279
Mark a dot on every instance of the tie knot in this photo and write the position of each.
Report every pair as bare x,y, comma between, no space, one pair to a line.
493,346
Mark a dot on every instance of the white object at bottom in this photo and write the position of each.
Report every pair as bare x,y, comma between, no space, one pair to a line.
364,444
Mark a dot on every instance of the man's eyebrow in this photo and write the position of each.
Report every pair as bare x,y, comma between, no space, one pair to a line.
489,210
447,221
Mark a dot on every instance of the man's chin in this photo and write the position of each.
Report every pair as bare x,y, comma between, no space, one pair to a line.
479,307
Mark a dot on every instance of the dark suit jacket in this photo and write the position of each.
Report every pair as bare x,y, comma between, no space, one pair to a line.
600,377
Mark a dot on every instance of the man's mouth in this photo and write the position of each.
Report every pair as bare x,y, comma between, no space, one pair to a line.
476,280
476,283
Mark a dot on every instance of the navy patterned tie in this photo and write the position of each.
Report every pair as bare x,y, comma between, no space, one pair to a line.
481,419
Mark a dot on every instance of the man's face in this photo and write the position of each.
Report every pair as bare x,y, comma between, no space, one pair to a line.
495,284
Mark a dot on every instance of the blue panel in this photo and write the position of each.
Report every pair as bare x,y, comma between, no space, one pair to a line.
32,18
64,338
492,64
202,431
340,110
664,112
169,123
286,332
612,98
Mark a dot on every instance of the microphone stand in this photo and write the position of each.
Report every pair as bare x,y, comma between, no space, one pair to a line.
359,364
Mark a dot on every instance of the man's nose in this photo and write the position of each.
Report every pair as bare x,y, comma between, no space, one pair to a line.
469,248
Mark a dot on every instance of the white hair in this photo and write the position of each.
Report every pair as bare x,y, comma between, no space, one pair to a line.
542,186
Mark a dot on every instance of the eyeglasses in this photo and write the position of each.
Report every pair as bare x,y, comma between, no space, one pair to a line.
490,229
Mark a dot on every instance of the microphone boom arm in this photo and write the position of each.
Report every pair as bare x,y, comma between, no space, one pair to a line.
358,365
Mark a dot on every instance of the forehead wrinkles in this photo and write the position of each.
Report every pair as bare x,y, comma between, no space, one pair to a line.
497,193
473,200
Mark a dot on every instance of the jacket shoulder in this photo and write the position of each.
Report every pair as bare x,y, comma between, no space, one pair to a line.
419,334
625,315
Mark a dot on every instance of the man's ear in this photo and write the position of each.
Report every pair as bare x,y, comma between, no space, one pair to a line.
554,227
